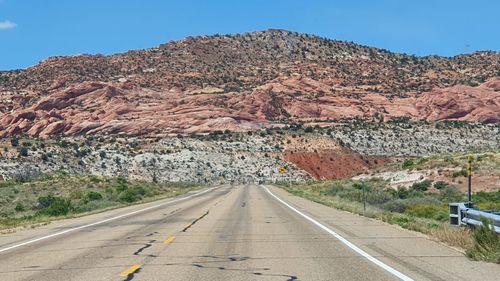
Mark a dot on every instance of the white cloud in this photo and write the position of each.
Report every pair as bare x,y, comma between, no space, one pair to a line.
7,24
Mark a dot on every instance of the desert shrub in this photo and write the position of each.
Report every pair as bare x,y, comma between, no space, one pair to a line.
404,193
54,206
19,207
23,151
440,184
378,197
407,164
14,142
493,206
94,179
122,184
422,186
486,244
483,196
132,194
102,154
94,195
428,211
461,173
403,221
450,194
487,200
351,194
400,205
334,189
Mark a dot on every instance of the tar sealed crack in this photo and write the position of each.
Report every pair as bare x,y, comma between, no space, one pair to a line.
147,245
195,221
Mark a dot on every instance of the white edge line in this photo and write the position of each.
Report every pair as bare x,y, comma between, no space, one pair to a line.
102,221
345,241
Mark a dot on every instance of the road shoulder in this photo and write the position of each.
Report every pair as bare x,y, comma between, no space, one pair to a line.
402,249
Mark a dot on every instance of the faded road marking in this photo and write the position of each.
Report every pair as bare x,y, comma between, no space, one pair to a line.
169,240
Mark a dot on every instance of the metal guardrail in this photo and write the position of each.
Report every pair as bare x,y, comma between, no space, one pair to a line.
464,214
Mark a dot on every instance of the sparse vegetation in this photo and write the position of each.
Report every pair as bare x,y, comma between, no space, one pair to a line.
411,208
486,244
60,195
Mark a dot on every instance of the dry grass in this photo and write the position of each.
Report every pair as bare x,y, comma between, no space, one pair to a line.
456,237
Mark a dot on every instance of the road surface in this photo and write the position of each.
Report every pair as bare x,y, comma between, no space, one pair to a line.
230,233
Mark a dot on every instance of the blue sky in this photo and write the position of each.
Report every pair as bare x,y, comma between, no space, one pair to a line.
31,30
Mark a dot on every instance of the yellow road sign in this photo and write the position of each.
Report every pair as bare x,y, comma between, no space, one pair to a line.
282,170
469,168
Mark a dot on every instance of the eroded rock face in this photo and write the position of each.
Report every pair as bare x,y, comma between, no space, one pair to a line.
121,108
323,158
243,82
463,103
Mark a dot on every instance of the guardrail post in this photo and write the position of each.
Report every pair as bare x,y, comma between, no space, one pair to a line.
455,214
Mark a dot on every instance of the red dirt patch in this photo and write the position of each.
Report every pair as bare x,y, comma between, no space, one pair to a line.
332,164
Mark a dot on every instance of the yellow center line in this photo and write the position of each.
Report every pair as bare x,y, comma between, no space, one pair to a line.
130,270
169,240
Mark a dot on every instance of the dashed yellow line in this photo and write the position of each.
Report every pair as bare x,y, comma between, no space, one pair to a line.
169,240
130,270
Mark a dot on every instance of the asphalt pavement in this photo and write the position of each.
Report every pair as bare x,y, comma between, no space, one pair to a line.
246,232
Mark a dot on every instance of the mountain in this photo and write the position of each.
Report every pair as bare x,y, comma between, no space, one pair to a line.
244,82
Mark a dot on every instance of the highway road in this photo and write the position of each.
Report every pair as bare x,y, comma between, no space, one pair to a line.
248,232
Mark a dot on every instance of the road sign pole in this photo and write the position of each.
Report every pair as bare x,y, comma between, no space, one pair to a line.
469,175
364,199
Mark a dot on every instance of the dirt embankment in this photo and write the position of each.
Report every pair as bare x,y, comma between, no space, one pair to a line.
324,158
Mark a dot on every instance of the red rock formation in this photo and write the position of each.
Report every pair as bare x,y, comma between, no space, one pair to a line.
243,82
120,108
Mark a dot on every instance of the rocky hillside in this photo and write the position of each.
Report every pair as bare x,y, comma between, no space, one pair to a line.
244,82
307,152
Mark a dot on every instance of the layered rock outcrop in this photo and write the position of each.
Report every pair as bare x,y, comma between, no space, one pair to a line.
244,82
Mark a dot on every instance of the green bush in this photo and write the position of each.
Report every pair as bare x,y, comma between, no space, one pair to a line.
334,190
451,194
400,205
428,211
422,186
14,142
486,244
404,193
407,164
122,185
23,151
54,206
484,197
132,194
440,184
377,197
461,173
19,207
94,195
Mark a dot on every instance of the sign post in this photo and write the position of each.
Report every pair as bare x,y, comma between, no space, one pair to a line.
364,199
282,170
469,175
